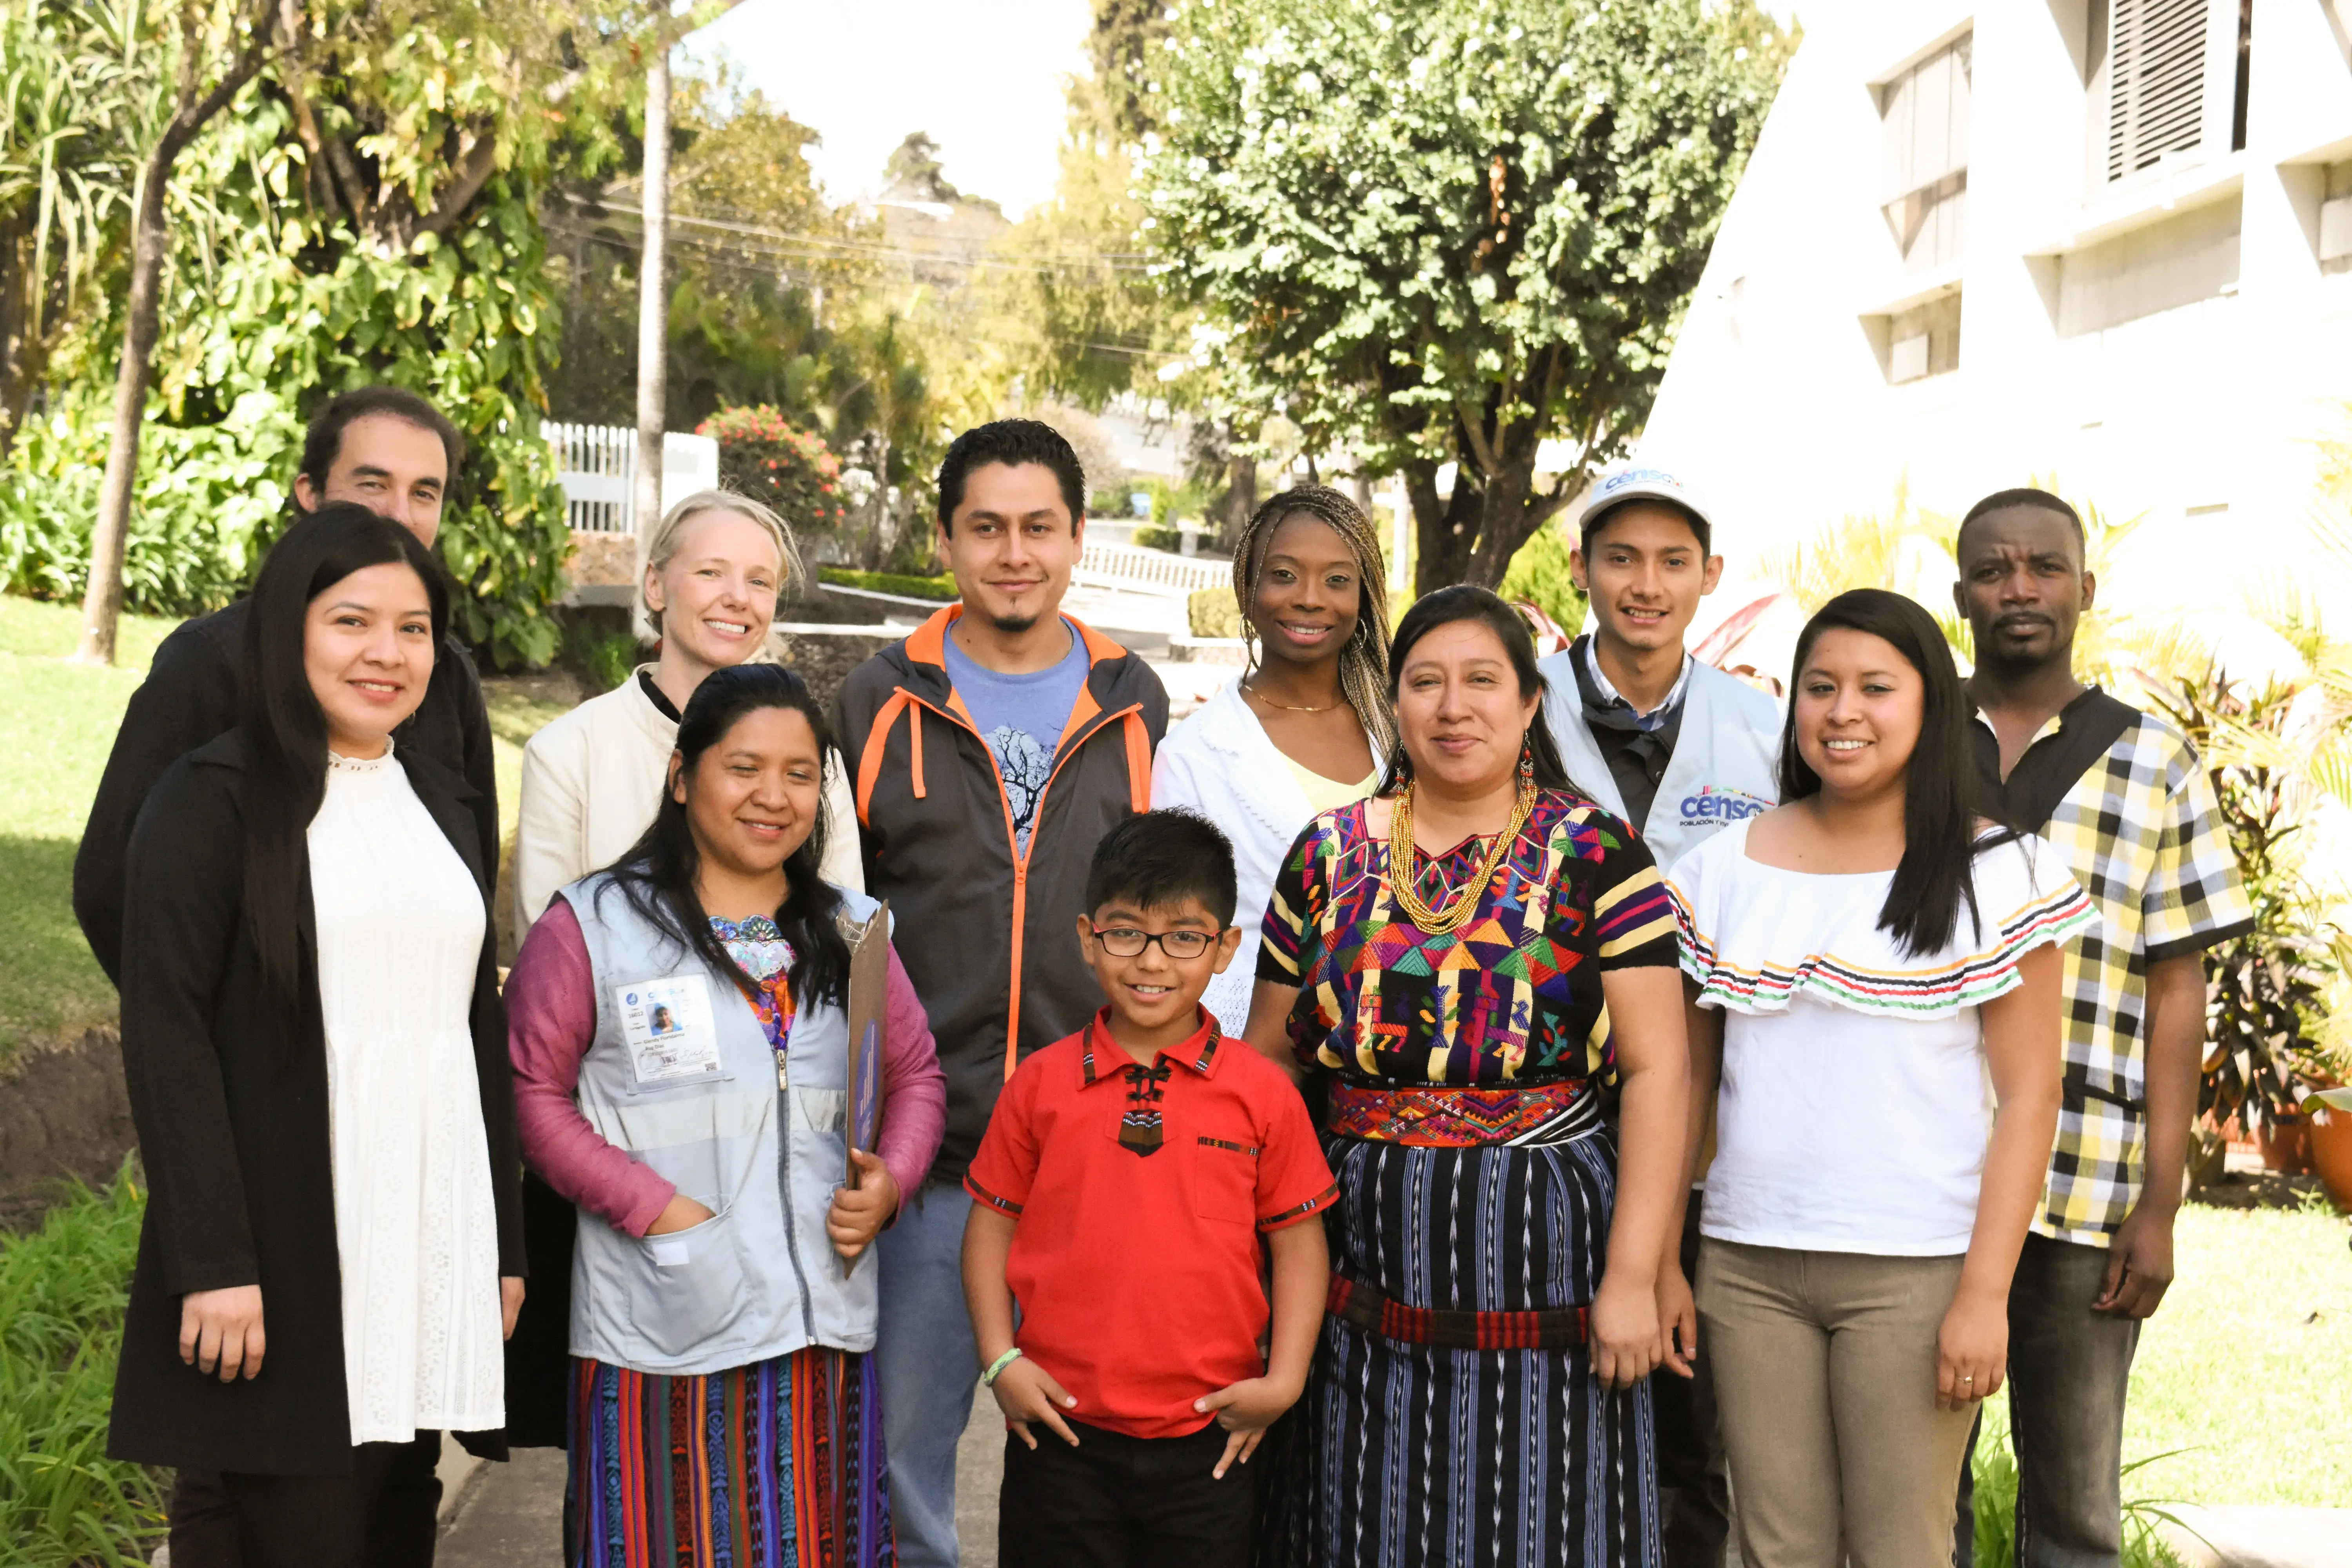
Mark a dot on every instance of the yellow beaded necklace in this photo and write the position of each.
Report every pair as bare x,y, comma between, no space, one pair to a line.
1464,905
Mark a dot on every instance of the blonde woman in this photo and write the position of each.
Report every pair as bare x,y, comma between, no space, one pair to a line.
591,780
1307,729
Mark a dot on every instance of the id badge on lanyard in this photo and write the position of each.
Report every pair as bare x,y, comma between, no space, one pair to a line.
669,1031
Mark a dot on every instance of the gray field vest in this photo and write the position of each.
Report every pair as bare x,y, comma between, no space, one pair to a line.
1725,768
760,1278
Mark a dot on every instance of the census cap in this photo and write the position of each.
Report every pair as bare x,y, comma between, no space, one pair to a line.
1638,482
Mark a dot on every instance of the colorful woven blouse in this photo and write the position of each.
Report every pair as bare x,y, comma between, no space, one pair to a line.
759,949
1514,997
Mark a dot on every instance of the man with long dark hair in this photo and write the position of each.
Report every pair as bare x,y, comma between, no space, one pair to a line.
992,748
392,451
2121,794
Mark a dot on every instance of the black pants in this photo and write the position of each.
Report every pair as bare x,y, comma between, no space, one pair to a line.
382,1515
1693,1477
1116,1502
2069,1376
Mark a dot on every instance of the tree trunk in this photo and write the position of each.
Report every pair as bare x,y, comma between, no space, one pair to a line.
1505,520
882,534
1445,527
1241,502
101,601
653,301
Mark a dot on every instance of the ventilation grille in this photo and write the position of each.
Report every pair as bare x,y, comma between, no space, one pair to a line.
2155,99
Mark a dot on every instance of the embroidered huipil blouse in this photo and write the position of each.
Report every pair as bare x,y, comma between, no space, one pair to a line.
1514,997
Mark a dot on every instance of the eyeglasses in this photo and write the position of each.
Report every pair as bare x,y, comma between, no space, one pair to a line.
1125,941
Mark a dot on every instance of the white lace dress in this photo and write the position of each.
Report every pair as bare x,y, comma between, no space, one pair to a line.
400,934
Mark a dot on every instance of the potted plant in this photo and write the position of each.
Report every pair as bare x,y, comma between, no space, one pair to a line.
2265,989
2330,1113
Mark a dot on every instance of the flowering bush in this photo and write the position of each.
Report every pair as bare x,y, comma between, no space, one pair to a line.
767,460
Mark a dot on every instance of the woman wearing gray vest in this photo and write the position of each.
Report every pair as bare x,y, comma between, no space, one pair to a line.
681,1047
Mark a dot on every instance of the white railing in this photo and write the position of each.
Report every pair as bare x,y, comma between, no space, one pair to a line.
597,466
1139,570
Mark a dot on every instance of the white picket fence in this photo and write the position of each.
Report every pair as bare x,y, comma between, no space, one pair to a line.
1141,570
597,466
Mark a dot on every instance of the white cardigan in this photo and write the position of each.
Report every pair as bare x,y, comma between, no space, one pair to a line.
591,781
1221,763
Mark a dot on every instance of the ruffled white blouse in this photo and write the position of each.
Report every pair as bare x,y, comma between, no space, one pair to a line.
1854,1107
400,936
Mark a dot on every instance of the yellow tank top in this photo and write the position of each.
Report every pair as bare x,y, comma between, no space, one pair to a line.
1328,794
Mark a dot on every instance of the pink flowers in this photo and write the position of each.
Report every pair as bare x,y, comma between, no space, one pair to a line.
792,470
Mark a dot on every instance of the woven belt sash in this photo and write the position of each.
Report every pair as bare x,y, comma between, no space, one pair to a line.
1443,1115
1546,1329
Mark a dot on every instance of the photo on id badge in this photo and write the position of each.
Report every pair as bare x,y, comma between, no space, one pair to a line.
668,1025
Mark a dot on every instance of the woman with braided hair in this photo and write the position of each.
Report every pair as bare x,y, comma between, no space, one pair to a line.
1308,727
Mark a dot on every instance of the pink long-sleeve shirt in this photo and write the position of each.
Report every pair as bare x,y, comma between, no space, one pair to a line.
552,1021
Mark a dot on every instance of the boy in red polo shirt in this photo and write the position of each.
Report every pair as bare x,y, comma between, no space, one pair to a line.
1119,1196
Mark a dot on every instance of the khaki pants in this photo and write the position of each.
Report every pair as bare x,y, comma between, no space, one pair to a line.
1825,1378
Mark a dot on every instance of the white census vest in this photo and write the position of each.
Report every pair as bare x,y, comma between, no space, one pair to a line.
1725,768
760,1278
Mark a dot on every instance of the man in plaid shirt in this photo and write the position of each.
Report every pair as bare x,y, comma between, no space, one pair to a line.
2121,795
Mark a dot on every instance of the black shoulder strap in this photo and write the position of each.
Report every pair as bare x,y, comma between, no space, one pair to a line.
2053,766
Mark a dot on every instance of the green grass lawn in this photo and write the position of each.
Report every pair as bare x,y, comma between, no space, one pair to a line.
2247,1364
60,719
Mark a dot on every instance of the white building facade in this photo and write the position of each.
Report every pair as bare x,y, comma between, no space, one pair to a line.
2108,240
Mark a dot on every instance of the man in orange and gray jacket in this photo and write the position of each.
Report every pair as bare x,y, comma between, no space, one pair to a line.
992,748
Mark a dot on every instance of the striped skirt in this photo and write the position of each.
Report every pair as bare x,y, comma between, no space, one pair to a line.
776,1465
1428,1450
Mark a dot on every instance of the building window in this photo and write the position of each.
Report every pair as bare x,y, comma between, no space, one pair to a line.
2169,82
1925,112
2336,218
1924,341
2190,258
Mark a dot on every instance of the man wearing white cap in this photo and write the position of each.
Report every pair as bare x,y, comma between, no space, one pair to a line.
1680,750
1677,748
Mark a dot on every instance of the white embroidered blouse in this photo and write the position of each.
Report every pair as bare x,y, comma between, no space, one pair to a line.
400,934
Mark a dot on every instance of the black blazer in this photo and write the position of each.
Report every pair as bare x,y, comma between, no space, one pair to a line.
189,698
232,1122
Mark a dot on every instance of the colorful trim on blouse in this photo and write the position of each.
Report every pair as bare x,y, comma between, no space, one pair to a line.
1969,981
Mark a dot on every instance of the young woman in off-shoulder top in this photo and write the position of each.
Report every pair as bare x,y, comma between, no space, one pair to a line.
1862,966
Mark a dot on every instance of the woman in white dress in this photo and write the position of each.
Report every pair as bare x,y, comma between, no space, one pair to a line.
1874,973
1307,728
315,1057
590,779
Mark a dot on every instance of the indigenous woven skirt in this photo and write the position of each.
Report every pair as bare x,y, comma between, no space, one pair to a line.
776,1465
1453,1416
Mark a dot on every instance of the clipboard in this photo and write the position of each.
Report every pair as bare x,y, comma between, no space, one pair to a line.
869,1004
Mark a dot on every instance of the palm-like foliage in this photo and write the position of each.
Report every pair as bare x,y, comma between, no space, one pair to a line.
1909,549
1906,547
78,91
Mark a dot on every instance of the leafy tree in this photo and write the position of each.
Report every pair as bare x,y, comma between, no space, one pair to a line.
362,211
81,82
222,42
914,173
1453,230
1541,575
1119,47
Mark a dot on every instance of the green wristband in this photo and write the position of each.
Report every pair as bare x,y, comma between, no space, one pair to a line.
988,1378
